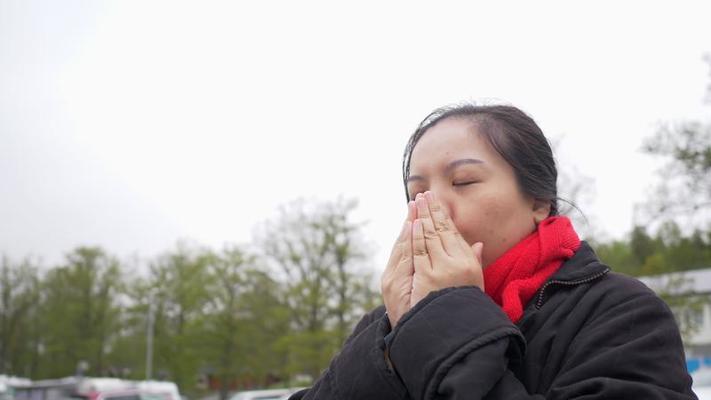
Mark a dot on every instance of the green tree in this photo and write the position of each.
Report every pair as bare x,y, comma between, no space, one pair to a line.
320,254
264,321
619,255
179,288
243,321
80,311
669,250
128,353
19,297
684,190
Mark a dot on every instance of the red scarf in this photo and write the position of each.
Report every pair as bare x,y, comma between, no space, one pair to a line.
517,275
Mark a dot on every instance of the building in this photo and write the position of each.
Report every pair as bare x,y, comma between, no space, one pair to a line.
688,294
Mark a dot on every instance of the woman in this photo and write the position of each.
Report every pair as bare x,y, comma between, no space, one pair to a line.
489,293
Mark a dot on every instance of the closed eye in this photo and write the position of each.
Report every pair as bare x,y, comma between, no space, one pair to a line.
463,183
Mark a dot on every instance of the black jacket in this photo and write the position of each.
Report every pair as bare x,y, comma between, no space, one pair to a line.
587,334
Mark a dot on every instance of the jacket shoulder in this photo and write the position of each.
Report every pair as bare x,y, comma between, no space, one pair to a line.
599,279
621,287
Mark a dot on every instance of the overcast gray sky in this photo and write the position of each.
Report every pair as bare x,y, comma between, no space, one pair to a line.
131,124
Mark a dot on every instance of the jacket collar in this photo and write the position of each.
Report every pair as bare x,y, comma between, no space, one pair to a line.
583,265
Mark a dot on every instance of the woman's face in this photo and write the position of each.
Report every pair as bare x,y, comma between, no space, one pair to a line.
476,186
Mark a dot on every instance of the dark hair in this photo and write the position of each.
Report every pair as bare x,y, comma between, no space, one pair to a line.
514,135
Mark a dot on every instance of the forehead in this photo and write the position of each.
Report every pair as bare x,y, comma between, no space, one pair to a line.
448,140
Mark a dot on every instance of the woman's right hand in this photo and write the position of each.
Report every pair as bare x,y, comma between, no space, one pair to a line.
396,282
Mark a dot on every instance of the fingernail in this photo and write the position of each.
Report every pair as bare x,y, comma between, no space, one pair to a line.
429,195
419,196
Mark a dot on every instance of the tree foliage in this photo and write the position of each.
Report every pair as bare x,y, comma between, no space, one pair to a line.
319,253
672,232
683,192
19,296
644,254
79,312
230,319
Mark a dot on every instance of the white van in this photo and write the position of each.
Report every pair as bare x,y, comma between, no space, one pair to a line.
271,394
160,387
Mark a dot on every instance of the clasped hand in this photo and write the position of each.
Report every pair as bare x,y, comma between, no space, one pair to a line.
429,254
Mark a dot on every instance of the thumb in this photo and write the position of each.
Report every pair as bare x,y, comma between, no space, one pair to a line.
477,248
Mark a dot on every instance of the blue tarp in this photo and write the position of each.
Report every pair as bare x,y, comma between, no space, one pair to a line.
692,364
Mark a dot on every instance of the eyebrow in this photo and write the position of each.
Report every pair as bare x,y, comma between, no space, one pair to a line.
452,165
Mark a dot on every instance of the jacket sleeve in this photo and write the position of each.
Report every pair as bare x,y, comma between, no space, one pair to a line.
629,349
454,344
359,370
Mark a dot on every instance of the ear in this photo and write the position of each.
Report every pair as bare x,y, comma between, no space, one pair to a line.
541,209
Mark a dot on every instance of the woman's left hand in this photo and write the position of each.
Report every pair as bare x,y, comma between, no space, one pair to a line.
441,256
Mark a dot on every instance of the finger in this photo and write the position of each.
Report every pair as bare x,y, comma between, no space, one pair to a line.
433,241
411,211
405,266
396,253
404,235
421,206
443,225
478,247
403,263
423,211
420,258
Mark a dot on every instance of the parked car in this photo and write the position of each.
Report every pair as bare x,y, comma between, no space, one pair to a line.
8,385
160,386
97,389
130,394
92,387
6,393
291,391
119,389
48,389
270,394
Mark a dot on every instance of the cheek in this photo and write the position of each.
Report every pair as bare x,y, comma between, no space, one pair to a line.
498,221
479,220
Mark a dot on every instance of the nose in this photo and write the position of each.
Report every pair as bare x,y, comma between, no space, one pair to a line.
446,200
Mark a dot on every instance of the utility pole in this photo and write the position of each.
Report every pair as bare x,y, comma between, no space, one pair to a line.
149,337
